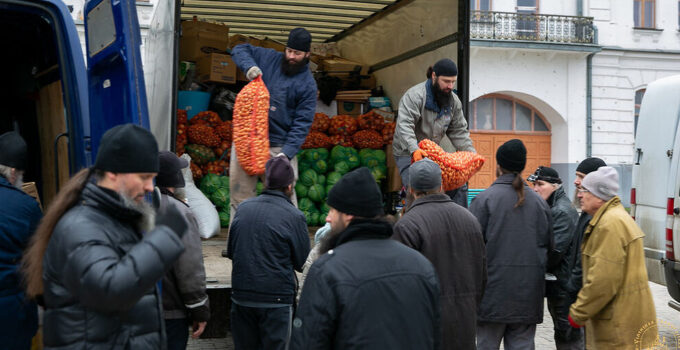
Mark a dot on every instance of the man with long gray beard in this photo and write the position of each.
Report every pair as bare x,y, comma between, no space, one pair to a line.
430,110
99,252
19,216
292,101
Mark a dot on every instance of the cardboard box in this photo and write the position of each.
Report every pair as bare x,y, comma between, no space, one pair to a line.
337,64
200,38
238,39
352,107
325,49
216,68
273,44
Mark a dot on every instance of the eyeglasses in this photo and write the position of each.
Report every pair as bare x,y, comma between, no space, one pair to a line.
582,190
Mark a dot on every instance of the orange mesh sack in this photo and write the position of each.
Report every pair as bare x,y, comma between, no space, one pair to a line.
457,168
251,127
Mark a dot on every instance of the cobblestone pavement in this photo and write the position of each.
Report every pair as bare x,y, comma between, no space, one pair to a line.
669,321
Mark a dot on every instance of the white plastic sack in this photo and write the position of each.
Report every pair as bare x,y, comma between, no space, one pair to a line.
201,206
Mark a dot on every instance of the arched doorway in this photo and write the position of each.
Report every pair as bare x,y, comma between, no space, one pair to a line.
495,119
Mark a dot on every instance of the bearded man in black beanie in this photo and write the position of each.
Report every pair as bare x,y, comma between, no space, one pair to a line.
517,227
366,290
292,101
430,110
99,252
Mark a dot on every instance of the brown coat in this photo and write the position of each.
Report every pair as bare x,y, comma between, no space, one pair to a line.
451,238
615,303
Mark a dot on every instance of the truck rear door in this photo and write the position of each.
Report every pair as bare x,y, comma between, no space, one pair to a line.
117,92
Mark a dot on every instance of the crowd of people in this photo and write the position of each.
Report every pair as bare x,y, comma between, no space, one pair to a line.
112,270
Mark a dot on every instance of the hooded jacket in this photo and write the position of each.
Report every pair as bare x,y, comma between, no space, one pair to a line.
292,99
19,217
100,276
615,303
450,237
184,294
517,244
421,118
368,292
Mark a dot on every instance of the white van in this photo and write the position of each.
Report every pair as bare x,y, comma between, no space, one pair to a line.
655,194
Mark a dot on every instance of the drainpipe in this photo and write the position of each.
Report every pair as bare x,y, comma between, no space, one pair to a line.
589,105
589,98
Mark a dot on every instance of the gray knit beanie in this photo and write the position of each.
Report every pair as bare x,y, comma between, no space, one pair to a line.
602,183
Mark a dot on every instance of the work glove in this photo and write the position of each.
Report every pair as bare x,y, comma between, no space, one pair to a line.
173,219
419,154
573,324
253,72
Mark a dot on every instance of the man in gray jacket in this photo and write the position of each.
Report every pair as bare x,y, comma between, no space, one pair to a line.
185,301
450,237
430,110
517,227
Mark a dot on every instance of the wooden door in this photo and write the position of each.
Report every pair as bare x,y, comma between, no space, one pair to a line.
486,144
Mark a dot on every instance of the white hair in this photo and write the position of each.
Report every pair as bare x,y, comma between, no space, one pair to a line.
6,172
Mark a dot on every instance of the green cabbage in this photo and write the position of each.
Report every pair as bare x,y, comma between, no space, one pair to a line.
316,193
308,177
210,183
300,190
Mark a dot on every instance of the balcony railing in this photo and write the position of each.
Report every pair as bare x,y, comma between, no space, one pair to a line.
531,27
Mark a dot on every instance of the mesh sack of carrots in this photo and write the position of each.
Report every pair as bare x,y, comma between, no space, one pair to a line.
457,167
251,127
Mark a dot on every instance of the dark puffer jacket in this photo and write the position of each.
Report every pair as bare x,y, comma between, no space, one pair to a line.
100,274
369,292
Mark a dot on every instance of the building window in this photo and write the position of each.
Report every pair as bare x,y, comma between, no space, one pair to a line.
644,13
638,102
527,23
480,5
505,114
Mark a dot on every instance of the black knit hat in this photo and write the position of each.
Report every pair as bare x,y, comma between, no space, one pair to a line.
546,174
589,165
356,193
512,155
13,150
445,67
299,39
169,173
278,173
127,148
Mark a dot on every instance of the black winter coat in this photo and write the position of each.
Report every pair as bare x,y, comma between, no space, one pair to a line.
517,244
100,275
575,279
369,292
268,240
564,221
184,294
450,237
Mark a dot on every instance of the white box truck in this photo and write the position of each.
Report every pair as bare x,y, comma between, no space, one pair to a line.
655,193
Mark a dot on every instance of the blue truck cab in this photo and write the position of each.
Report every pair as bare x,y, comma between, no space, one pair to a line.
60,106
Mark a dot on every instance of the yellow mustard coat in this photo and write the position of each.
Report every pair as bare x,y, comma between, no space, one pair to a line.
615,303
